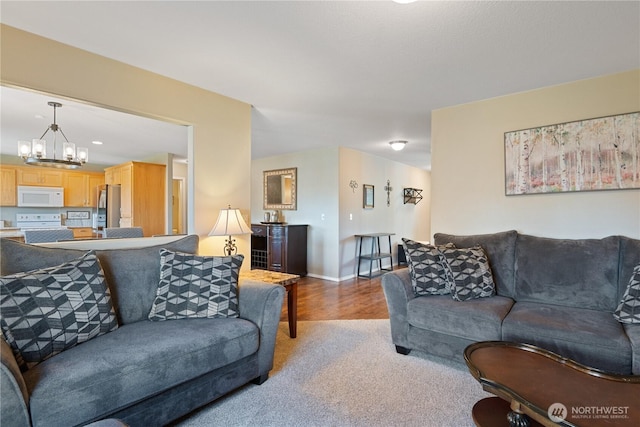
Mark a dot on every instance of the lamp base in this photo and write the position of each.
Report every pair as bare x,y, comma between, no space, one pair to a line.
230,247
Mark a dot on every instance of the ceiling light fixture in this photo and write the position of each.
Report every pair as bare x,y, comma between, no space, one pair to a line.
35,152
398,145
403,1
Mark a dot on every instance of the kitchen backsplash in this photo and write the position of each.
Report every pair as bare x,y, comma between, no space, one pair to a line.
8,215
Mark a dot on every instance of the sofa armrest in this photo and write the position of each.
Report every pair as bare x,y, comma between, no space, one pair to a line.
14,399
398,292
633,332
261,303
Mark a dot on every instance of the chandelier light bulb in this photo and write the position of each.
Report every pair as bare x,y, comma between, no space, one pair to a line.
83,154
69,150
24,149
40,148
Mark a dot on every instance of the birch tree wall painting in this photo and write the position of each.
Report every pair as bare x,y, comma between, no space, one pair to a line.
585,155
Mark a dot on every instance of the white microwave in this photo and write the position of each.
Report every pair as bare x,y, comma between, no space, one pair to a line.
40,197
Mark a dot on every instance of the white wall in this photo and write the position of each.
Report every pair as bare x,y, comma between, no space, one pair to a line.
323,189
468,184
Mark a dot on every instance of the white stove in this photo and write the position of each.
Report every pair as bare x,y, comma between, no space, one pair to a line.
43,221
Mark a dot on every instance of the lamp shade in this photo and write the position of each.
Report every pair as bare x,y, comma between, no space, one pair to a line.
230,222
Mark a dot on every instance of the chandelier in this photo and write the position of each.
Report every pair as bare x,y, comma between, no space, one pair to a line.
35,153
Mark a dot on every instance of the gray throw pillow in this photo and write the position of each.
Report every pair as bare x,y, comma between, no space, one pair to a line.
44,312
628,311
468,273
426,268
193,286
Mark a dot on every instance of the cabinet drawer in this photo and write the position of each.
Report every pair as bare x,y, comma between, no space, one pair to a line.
259,230
83,232
276,231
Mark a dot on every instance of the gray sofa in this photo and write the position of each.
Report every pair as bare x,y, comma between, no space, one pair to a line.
145,373
558,294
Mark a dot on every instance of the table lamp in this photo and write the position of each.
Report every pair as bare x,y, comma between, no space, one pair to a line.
230,222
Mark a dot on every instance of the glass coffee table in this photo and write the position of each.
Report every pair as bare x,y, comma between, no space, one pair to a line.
290,283
542,388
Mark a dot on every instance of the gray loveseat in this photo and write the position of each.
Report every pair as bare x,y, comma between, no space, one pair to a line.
558,294
145,373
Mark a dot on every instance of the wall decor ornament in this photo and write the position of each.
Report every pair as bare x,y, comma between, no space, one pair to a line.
585,155
388,189
412,195
353,184
367,196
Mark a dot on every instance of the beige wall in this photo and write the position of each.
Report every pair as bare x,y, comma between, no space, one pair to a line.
334,211
468,184
220,127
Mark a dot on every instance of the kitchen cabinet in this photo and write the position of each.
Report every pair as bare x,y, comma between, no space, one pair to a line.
126,192
80,188
142,195
41,177
112,176
8,187
279,247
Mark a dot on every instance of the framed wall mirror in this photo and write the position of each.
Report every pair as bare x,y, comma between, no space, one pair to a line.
280,189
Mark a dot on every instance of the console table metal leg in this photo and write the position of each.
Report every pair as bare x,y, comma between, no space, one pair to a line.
391,257
359,243
373,241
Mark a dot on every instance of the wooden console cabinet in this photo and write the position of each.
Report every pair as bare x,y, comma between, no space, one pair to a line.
279,247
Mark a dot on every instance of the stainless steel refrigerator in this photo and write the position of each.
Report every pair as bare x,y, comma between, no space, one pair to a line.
107,212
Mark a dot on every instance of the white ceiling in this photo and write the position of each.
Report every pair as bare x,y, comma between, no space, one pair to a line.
356,74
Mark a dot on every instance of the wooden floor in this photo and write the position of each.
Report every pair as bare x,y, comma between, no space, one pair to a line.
350,299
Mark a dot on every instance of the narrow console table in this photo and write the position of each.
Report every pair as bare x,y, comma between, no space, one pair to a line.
375,255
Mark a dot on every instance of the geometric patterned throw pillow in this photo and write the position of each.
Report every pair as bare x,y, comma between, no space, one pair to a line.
628,310
426,268
193,286
468,273
44,312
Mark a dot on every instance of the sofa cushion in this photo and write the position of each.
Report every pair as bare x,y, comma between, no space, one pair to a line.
426,268
193,286
581,273
130,364
477,319
131,274
591,337
44,312
500,249
468,273
628,310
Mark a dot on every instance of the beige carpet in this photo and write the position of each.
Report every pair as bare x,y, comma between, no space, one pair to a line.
347,373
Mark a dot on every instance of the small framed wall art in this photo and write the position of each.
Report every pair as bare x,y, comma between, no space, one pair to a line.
367,196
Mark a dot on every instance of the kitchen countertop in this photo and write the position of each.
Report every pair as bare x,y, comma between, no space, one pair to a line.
11,232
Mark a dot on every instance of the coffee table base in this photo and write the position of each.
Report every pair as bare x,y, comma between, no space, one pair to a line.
496,412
